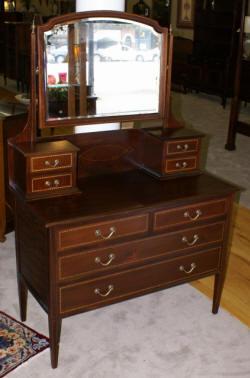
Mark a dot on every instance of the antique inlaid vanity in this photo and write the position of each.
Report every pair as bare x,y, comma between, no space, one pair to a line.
110,215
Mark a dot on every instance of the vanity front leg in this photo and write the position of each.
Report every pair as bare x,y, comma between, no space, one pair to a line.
54,335
218,287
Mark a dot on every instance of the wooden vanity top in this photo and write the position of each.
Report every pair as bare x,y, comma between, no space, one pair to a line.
174,133
134,190
54,147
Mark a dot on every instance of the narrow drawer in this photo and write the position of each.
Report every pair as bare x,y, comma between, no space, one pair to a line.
103,259
189,214
94,293
50,162
47,183
182,146
182,164
100,232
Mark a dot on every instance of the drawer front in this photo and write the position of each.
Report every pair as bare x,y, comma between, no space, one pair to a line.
101,232
101,260
47,183
115,287
182,164
189,214
182,146
50,162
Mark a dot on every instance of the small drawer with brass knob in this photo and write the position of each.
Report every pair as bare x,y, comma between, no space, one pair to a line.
182,146
46,168
41,184
181,165
51,162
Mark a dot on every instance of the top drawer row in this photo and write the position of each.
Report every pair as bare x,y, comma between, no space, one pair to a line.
90,234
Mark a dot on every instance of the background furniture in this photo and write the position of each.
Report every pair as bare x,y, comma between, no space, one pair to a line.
241,88
10,17
214,47
10,126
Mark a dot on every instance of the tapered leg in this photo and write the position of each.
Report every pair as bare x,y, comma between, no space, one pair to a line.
218,287
23,295
54,333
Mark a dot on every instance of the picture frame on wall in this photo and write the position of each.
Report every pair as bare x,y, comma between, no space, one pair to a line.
185,14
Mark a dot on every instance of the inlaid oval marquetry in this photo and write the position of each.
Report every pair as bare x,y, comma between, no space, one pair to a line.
106,152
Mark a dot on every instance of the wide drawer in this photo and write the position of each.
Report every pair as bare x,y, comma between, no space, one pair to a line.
94,293
181,164
189,214
47,183
100,232
182,146
50,162
103,259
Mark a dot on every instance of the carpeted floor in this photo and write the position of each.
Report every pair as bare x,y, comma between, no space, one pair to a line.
169,334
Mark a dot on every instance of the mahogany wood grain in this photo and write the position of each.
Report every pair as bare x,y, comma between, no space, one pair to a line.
189,214
81,296
101,260
81,235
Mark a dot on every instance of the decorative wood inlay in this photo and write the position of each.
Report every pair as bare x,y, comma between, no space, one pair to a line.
106,153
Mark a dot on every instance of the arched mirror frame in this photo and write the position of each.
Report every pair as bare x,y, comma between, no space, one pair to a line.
164,84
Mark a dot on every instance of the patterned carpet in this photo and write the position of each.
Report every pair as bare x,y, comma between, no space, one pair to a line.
18,343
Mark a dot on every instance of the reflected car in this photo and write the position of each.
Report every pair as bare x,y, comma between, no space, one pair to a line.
57,55
149,55
115,53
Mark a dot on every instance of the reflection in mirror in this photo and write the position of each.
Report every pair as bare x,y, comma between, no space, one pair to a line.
101,67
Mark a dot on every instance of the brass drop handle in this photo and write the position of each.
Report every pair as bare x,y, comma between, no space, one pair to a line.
181,165
195,239
56,182
99,233
47,183
182,148
197,212
192,267
97,291
48,163
111,258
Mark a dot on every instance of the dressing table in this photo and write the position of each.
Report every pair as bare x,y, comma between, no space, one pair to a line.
106,216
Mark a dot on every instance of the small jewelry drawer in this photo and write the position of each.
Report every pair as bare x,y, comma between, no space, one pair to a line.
82,235
47,183
182,146
92,293
181,165
164,219
50,162
78,264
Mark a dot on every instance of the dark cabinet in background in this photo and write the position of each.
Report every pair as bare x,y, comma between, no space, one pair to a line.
214,47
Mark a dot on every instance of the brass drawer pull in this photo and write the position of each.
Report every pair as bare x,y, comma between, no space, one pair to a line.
192,267
181,165
98,292
99,233
195,239
182,148
197,212
56,182
47,183
48,164
111,258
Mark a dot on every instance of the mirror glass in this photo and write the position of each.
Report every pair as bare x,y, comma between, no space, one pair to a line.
101,67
